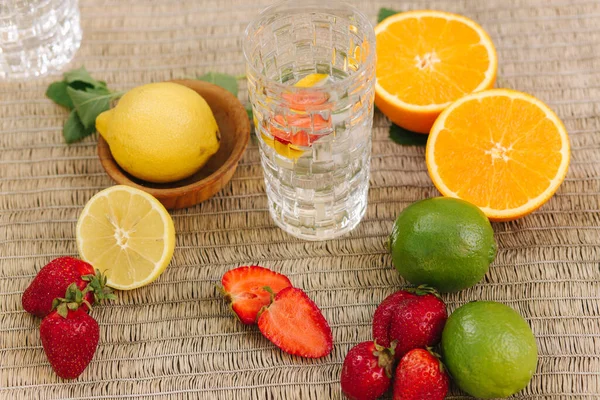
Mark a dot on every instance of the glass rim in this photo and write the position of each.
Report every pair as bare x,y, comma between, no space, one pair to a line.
329,4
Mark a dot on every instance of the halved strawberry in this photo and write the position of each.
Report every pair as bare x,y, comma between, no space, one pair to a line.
244,287
294,323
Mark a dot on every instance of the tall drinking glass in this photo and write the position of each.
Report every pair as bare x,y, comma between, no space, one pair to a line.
37,36
311,72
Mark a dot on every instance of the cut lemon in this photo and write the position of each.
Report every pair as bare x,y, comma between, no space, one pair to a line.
425,61
502,150
286,150
311,80
127,234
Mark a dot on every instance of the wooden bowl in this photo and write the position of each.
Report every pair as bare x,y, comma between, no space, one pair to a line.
234,127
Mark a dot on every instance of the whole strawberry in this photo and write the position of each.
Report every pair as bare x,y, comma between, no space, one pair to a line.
418,322
53,280
420,376
384,313
69,335
367,371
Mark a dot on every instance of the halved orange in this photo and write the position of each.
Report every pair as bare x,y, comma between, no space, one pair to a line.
425,61
502,150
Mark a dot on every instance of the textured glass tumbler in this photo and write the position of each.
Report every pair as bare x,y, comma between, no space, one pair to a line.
37,37
311,75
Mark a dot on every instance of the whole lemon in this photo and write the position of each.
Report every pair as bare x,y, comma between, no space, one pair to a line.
160,132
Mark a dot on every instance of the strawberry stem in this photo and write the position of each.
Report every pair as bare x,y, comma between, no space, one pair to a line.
97,285
268,289
72,300
439,358
423,290
74,297
385,358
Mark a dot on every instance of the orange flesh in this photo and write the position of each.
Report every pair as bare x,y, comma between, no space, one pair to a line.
430,60
499,153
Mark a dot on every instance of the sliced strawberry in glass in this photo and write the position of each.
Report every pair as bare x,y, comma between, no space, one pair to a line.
305,99
304,121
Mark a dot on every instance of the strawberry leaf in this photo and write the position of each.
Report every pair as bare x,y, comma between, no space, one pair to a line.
97,285
78,297
62,310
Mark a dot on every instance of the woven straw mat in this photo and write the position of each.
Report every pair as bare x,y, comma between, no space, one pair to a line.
175,338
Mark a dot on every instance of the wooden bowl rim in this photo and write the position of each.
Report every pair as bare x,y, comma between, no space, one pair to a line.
115,172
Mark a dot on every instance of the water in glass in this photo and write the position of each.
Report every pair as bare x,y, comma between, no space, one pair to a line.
311,71
37,36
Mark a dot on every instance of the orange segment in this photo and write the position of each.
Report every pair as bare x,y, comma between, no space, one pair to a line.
502,150
425,61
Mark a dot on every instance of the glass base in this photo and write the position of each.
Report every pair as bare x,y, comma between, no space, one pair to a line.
326,232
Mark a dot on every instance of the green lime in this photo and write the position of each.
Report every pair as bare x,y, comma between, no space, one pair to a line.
442,242
489,349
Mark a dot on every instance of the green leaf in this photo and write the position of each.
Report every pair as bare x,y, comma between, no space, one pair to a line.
406,137
74,130
384,13
80,85
57,92
90,104
56,302
62,310
250,114
78,296
83,76
100,90
228,82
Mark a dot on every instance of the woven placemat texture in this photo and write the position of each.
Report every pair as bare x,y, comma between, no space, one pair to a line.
175,338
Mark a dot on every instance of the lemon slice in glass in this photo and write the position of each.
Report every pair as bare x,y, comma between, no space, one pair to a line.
127,234
311,80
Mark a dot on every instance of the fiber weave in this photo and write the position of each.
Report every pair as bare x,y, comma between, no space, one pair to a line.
175,338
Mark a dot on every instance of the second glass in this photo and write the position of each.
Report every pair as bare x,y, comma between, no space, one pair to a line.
37,37
311,76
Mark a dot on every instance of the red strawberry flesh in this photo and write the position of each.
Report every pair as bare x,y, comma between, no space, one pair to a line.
69,343
286,136
420,376
244,289
52,282
383,316
306,100
294,323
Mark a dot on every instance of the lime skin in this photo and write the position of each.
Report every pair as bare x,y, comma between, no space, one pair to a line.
443,242
489,349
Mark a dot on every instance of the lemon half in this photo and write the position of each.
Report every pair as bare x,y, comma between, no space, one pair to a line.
127,234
